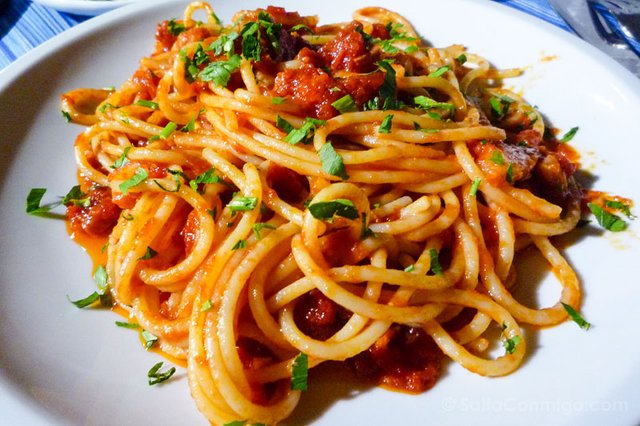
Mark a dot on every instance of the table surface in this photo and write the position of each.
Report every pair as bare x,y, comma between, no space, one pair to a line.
25,25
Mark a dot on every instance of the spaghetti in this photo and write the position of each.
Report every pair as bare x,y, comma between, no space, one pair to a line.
275,192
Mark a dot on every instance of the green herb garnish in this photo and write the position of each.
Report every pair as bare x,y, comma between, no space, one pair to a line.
326,210
140,176
345,104
156,376
569,135
220,72
332,162
576,317
243,204
608,221
300,372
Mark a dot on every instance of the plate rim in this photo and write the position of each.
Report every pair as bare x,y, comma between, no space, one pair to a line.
11,72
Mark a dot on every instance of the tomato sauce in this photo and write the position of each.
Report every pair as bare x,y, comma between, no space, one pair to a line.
404,359
99,218
314,87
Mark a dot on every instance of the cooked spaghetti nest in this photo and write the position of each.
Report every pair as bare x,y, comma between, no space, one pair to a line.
389,213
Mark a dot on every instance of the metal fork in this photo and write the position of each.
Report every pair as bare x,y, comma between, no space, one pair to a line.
613,26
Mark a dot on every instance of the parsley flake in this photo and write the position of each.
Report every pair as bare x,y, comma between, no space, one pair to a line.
576,317
345,104
122,160
385,126
618,205
608,221
510,345
147,104
440,71
207,177
474,187
140,176
497,157
569,135
436,268
220,72
326,210
243,204
156,376
129,325
300,372
332,162
259,226
149,338
150,253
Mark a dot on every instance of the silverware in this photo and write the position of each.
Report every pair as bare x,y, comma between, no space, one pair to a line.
611,26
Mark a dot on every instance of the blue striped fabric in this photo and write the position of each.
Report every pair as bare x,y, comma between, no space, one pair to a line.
24,25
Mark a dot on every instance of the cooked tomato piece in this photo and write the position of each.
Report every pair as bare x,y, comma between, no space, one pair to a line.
99,218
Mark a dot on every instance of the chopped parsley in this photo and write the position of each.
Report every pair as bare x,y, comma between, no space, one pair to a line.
509,174
576,317
220,72
428,103
242,204
345,104
149,338
608,221
207,177
206,305
191,125
66,116
474,187
387,96
436,268
326,210
385,126
150,253
140,176
241,244
497,157
175,28
168,130
284,125
251,41
332,162
510,345
125,324
224,44
147,104
303,134
300,372
440,71
500,105
122,160
618,205
76,197
365,232
87,301
156,376
100,278
461,59
259,226
33,201
569,135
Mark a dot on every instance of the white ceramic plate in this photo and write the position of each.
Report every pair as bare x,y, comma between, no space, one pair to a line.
86,7
60,365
